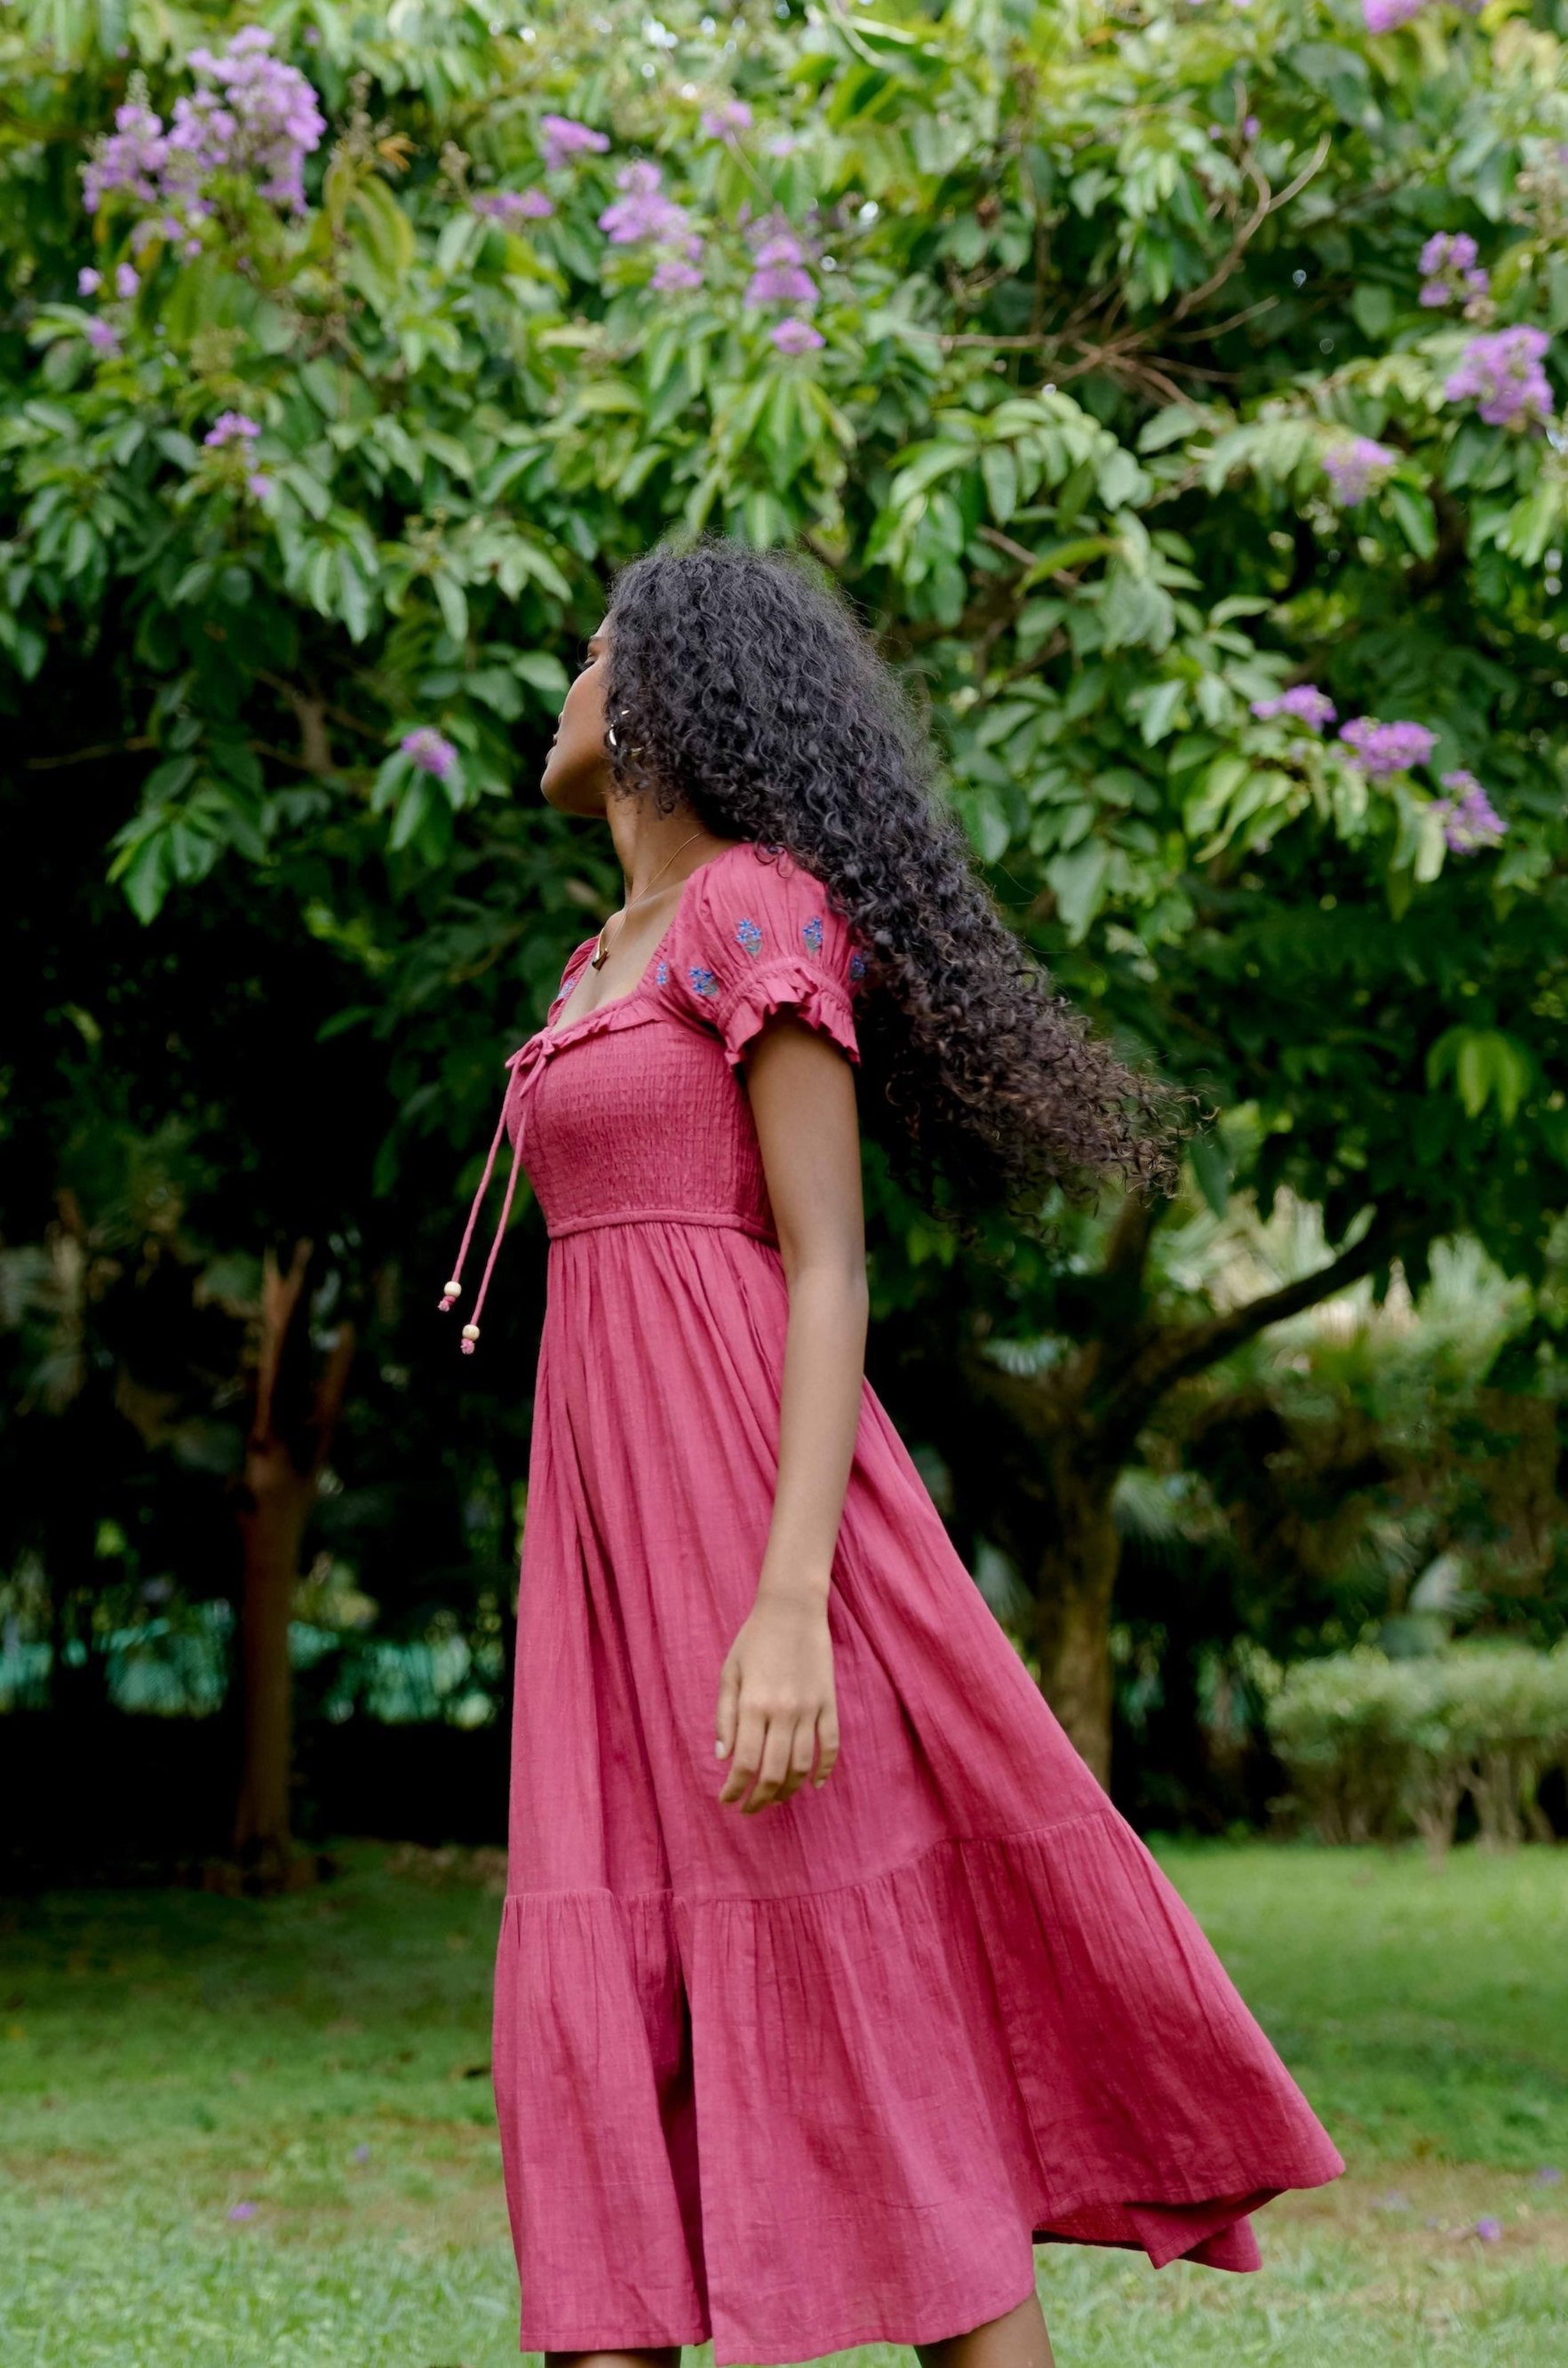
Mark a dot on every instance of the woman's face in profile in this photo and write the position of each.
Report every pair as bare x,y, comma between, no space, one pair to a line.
576,767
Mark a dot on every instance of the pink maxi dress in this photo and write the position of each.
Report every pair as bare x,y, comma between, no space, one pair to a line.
819,2077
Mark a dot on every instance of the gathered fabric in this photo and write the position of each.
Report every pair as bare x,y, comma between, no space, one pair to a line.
823,2075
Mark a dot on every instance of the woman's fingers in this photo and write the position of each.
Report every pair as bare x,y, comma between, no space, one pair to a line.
729,1708
775,1764
750,1732
827,1740
772,1753
803,1752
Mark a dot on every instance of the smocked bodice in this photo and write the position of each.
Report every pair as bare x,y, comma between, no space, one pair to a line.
631,1115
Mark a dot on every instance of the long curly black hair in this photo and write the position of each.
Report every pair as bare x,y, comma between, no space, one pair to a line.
740,685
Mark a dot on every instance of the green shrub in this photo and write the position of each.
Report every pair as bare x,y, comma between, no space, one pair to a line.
1376,1747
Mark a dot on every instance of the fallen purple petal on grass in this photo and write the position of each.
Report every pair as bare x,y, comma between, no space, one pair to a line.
1548,2176
242,2211
1489,2231
361,2153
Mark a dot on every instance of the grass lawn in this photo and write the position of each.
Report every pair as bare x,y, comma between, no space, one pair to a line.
321,2061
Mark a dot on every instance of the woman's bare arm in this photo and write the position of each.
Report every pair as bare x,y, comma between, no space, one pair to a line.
776,1712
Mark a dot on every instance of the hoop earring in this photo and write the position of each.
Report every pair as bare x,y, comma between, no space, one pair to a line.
610,740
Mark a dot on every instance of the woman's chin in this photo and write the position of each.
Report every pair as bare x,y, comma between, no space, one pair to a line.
569,793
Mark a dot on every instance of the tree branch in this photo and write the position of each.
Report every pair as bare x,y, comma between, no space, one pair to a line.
1167,1356
89,756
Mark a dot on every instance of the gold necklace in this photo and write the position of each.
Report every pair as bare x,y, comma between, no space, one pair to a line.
600,955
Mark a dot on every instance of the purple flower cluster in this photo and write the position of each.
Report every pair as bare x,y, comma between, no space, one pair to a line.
1451,274
1303,703
254,115
778,256
778,272
1503,374
262,119
103,336
1387,15
510,206
1357,469
232,431
1383,748
643,216
727,120
429,752
230,427
642,213
673,274
131,160
1470,820
561,139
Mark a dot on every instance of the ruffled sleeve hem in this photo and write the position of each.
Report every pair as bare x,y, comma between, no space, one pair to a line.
787,985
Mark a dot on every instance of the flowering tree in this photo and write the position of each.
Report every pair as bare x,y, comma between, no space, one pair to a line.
1173,387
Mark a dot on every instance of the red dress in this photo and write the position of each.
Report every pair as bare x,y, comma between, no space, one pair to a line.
818,2077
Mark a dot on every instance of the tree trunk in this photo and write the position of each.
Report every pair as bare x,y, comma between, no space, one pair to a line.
271,1525
1075,1585
290,1434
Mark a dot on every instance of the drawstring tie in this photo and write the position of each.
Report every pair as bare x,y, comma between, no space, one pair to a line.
452,1292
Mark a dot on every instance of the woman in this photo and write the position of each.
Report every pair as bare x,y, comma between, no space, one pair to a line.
828,1977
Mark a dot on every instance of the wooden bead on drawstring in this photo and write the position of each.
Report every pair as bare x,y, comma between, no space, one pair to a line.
470,1334
451,1293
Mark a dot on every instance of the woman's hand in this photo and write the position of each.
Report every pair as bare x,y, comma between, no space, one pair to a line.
775,1704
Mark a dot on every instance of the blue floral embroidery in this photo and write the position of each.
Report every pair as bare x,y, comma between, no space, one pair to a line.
857,965
661,974
704,981
811,932
749,937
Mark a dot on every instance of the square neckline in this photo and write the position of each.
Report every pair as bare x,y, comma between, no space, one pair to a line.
555,1030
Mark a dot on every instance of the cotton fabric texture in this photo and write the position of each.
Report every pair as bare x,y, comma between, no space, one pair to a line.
818,2077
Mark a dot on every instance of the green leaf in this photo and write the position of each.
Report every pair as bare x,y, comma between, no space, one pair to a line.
1079,879
1159,711
1212,1170
542,673
145,876
415,808
1057,558
452,601
354,597
167,781
1418,520
1372,308
1486,1066
383,229
1169,427
999,468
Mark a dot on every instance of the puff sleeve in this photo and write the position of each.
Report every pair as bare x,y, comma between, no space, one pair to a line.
762,939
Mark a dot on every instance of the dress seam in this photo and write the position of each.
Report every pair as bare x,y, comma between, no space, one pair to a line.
830,1891
710,1221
